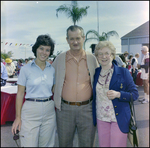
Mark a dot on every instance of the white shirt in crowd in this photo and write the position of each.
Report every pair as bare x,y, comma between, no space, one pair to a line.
144,75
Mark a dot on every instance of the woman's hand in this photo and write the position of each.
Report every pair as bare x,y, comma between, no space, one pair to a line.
16,125
112,94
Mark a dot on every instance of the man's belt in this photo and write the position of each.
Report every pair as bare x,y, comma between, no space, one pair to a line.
78,103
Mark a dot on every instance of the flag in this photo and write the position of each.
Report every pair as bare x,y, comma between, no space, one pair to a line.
31,45
20,44
10,44
6,43
16,44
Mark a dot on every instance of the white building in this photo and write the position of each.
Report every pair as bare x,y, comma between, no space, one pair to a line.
134,40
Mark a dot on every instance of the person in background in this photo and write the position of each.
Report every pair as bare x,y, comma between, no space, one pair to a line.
129,62
50,61
145,74
26,61
30,59
124,57
15,62
36,120
73,91
134,68
4,75
3,61
19,65
119,61
10,67
112,90
92,48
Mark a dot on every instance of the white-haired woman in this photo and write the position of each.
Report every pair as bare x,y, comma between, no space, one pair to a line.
112,89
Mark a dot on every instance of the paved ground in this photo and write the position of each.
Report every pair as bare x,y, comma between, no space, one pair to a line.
142,117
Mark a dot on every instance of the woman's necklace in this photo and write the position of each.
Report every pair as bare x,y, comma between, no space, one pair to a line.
103,79
104,72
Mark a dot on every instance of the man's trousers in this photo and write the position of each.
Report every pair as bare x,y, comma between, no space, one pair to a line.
72,117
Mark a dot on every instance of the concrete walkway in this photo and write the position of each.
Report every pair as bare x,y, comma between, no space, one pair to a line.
142,117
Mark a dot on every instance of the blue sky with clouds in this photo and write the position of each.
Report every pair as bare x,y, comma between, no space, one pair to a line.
23,21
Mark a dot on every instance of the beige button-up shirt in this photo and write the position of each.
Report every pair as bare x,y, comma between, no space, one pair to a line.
77,83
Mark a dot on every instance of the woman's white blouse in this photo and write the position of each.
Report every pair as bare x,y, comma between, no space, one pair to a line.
104,106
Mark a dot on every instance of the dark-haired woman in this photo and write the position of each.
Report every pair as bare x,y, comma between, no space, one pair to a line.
36,119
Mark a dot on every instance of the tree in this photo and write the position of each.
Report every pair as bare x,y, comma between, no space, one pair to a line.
6,55
73,12
94,35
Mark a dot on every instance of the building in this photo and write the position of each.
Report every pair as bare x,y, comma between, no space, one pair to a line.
134,40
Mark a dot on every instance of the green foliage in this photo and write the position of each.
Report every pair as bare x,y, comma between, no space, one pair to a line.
73,12
6,55
94,35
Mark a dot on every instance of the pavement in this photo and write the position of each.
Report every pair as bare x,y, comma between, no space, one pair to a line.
142,118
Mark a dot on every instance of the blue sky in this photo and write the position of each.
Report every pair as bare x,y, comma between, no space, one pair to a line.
23,21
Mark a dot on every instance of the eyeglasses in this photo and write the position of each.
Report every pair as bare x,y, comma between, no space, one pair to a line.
106,54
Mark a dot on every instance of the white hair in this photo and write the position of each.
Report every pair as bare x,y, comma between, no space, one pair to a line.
145,48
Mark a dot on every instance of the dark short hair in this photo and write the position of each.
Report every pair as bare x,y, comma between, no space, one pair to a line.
74,28
44,40
130,56
20,60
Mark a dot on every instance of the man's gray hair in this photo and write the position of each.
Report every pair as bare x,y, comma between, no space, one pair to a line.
74,28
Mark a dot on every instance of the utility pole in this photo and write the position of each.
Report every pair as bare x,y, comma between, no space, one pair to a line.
97,18
25,52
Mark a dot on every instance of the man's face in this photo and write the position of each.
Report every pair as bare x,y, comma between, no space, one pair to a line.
9,64
143,52
75,40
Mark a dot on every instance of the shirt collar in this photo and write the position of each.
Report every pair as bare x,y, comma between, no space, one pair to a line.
47,63
70,56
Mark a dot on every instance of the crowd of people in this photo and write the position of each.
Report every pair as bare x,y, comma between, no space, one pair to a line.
89,91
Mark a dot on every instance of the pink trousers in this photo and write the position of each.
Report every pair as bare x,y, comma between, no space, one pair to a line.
109,135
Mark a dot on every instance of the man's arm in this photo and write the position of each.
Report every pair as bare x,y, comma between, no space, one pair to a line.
146,65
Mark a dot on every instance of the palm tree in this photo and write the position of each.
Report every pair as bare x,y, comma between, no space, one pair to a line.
96,36
73,12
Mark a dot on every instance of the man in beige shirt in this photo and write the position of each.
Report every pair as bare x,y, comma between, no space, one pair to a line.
74,71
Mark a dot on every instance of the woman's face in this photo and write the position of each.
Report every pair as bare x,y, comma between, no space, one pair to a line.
43,52
105,57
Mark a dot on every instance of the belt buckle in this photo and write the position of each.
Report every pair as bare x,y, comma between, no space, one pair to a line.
78,103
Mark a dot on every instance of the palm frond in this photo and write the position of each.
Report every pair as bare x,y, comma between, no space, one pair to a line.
93,32
113,33
62,8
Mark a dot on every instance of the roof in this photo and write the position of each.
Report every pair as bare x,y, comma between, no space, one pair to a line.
142,30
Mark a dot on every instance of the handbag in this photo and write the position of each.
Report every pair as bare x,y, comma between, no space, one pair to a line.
133,130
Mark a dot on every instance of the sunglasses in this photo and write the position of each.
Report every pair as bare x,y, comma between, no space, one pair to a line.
16,137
